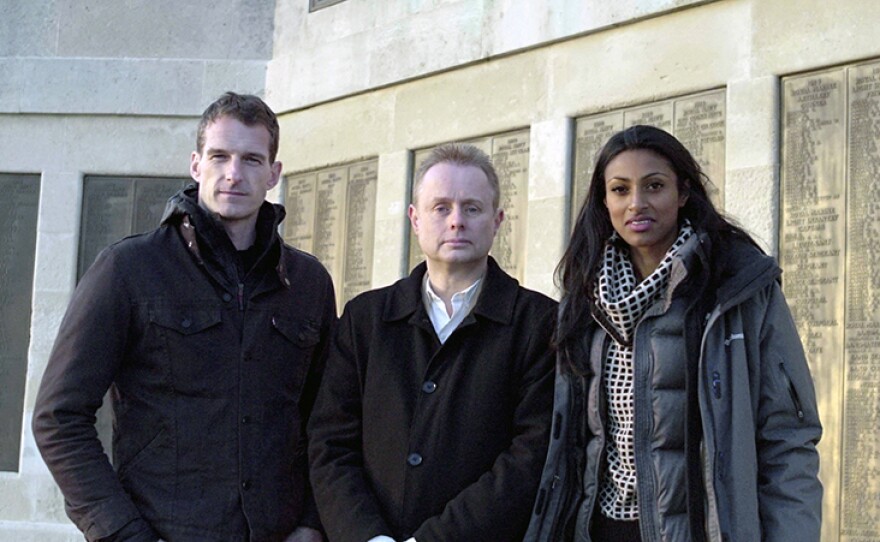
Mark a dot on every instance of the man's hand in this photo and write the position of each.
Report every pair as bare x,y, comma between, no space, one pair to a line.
304,534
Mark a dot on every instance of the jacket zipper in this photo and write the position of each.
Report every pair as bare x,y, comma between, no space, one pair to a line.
240,296
716,384
791,391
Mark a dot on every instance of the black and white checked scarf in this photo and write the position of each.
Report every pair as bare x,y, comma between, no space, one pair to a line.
624,303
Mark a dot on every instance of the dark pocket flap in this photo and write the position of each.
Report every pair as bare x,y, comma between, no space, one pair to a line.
186,319
303,333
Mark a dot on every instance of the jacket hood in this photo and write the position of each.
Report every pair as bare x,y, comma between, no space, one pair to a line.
742,267
207,240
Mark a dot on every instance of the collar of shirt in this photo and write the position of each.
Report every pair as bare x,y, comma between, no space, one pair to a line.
462,304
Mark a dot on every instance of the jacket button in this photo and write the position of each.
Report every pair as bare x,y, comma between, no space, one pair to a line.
429,387
227,297
246,485
186,322
245,420
414,460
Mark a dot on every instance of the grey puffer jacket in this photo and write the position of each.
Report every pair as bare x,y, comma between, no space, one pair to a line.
727,346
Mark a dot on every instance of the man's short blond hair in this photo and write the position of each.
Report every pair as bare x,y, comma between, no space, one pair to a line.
459,154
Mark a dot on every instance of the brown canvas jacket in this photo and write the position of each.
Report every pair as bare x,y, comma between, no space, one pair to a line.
211,374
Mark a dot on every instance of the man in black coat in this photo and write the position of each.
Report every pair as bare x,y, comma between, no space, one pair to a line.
431,423
211,335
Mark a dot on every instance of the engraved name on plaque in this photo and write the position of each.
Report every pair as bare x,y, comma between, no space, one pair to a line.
697,120
18,236
299,201
331,214
830,166
360,224
510,156
657,114
330,221
591,133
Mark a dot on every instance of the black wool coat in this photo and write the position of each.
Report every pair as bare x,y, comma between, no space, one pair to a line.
441,442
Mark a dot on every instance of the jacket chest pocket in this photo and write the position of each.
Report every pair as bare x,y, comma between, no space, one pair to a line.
289,352
194,348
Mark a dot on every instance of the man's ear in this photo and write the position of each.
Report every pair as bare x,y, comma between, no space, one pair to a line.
413,218
194,171
276,174
499,218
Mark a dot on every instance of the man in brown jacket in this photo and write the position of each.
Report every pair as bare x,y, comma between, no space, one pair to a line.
211,335
431,423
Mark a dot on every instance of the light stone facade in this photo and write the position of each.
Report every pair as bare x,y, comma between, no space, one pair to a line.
115,88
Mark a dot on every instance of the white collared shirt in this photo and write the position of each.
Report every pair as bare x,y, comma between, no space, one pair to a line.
462,304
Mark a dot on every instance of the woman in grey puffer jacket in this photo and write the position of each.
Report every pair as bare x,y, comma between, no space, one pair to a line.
684,407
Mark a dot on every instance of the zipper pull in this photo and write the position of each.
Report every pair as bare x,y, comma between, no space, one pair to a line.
716,384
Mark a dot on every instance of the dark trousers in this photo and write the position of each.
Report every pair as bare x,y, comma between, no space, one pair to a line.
606,529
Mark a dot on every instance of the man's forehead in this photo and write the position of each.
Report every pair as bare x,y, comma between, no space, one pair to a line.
227,131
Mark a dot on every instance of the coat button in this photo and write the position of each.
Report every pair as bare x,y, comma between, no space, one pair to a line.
246,485
245,420
414,460
186,323
227,297
429,387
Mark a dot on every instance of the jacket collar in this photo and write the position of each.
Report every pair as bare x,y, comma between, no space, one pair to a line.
497,299
207,241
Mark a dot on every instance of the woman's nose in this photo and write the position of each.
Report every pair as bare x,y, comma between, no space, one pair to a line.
636,200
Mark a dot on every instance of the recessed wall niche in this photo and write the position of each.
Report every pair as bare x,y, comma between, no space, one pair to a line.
830,201
331,214
18,236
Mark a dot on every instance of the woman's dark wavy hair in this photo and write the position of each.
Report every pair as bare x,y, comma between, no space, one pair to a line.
576,272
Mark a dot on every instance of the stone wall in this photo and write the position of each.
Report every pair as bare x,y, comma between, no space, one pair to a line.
115,88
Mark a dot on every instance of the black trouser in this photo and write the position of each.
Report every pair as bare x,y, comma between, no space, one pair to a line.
605,529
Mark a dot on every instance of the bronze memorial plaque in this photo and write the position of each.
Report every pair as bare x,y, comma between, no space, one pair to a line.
828,249
18,238
299,201
116,207
329,233
331,213
697,120
510,156
360,225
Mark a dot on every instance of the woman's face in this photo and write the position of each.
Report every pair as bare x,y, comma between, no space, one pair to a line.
642,197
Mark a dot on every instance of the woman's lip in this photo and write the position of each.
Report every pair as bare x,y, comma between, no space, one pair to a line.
639,224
